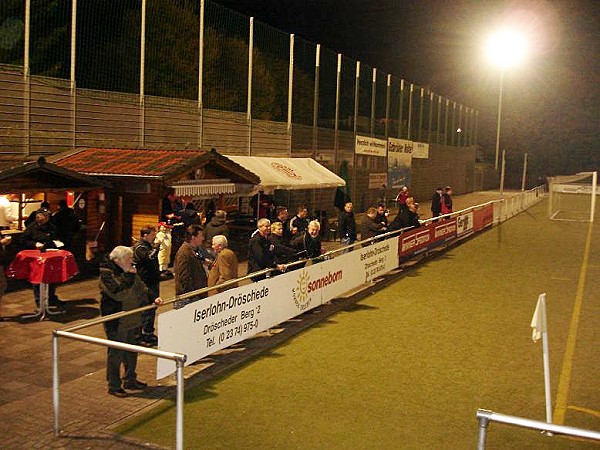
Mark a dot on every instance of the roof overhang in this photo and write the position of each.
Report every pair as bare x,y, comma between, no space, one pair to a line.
44,176
289,173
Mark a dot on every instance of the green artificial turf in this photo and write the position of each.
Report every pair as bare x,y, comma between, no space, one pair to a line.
408,366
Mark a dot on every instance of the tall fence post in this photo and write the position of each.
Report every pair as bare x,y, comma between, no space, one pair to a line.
55,385
249,103
446,122
483,416
316,102
290,84
201,77
430,118
336,125
356,99
373,99
73,91
400,109
421,107
439,119
180,402
27,80
410,108
142,105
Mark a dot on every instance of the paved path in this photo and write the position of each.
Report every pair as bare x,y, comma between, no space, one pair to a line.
87,412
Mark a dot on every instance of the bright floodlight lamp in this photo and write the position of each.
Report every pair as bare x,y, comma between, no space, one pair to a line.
505,49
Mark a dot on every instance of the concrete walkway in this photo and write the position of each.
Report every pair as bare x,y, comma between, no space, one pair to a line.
88,413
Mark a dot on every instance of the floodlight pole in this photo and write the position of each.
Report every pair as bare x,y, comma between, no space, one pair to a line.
499,118
524,172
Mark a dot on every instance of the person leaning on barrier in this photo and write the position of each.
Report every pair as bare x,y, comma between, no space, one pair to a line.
282,249
122,289
225,267
260,251
188,268
369,226
308,244
407,218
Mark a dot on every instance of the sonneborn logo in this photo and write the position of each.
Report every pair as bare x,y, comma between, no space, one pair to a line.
288,171
304,287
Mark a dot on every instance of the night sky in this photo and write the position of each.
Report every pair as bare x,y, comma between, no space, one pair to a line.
550,106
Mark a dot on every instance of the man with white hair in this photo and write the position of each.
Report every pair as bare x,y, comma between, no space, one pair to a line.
308,244
225,267
122,289
260,250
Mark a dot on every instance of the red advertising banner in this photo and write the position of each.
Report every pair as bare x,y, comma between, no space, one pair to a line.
483,217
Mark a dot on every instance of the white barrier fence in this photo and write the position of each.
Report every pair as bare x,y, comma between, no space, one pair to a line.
485,417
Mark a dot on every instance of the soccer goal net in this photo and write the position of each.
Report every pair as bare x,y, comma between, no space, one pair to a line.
573,197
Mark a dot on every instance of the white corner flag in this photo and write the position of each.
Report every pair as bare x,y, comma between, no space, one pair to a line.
540,330
538,322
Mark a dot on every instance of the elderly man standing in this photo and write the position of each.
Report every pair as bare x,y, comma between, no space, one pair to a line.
188,268
225,267
260,250
122,290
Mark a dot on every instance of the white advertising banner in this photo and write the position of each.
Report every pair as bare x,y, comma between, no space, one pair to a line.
221,320
420,150
377,180
464,224
366,145
399,162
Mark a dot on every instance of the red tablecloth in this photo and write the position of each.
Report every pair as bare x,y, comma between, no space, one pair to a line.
54,266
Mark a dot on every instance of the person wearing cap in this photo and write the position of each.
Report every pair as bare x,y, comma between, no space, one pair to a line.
436,202
145,259
40,235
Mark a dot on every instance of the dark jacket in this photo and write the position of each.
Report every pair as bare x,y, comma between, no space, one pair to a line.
260,254
370,228
282,249
46,234
436,204
215,227
66,224
347,226
120,291
190,217
405,219
145,258
189,272
299,223
307,246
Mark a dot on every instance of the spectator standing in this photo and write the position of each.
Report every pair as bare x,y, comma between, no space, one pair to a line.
299,222
6,214
217,226
145,259
347,225
40,235
283,217
189,270
436,202
369,226
282,249
122,289
163,239
447,200
66,223
225,267
172,208
190,216
407,218
308,243
260,251
401,197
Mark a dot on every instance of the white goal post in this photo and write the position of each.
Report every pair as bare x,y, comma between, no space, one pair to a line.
573,197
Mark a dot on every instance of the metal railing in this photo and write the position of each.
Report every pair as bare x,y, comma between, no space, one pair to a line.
485,417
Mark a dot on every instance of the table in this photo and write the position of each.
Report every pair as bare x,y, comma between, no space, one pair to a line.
43,268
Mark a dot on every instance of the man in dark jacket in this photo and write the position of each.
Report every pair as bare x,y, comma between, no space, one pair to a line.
40,235
188,268
299,222
436,202
347,225
145,259
66,224
260,250
308,244
122,290
216,226
369,226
